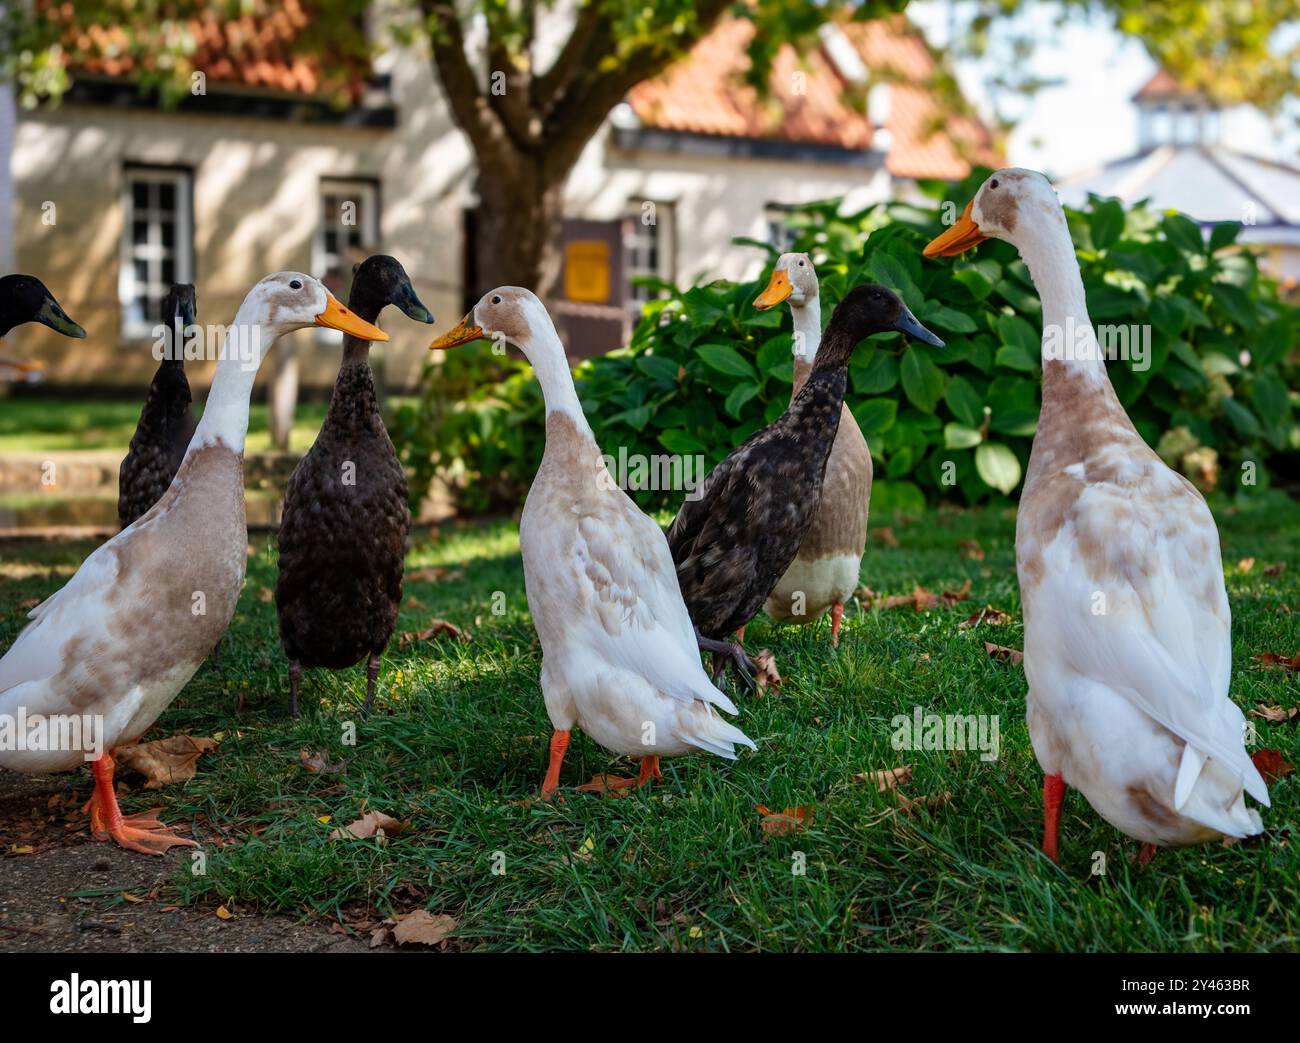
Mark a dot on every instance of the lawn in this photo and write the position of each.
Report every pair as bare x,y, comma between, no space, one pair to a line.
458,744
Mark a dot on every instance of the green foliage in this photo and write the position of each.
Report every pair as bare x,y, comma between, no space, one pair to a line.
704,369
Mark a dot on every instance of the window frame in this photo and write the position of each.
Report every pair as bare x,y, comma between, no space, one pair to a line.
182,181
367,194
664,247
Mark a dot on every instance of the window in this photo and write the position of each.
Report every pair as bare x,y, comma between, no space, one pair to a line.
348,230
647,251
157,243
779,233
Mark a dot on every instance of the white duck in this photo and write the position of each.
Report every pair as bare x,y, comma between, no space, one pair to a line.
104,656
826,570
619,656
1128,649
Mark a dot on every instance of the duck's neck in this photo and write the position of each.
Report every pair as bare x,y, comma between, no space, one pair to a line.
807,339
1069,345
546,353
225,415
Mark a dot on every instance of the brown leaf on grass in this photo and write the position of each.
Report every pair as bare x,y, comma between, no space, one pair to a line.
434,574
886,536
378,937
1276,714
988,615
436,628
165,761
780,823
27,604
1276,569
318,762
1003,654
1245,564
412,602
372,823
223,913
886,778
766,675
1272,659
932,802
1271,764
920,599
265,595
423,928
971,549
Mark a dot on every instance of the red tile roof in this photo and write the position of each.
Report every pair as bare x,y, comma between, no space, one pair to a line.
704,93
253,50
1162,85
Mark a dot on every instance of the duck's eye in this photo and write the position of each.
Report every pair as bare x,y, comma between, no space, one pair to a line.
496,298
295,284
993,183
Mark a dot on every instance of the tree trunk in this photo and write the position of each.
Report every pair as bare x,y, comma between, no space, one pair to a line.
518,230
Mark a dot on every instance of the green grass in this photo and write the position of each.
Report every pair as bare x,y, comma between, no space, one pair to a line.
459,745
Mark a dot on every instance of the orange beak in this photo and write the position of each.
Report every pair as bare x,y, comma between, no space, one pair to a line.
778,290
464,332
337,317
964,234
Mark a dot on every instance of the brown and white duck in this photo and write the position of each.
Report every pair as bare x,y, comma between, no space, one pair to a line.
166,422
825,572
1128,645
619,658
106,654
345,521
734,542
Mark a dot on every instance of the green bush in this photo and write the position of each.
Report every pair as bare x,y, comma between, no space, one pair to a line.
704,369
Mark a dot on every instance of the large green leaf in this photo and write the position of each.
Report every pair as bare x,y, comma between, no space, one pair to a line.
726,360
998,466
923,381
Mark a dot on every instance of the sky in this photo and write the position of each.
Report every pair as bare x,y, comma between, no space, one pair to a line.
1089,119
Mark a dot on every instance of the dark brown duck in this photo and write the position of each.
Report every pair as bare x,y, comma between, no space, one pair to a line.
166,422
345,523
735,541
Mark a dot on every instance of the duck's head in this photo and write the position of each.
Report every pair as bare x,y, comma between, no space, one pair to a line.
288,301
180,305
379,281
793,279
24,298
511,314
871,308
1010,204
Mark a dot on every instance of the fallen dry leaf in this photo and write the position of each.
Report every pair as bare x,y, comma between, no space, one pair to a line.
933,802
223,913
378,936
265,595
1276,714
1245,564
887,778
1003,654
1276,569
165,761
422,928
436,628
368,825
988,615
971,549
886,536
1271,764
433,574
791,820
766,674
1271,659
318,762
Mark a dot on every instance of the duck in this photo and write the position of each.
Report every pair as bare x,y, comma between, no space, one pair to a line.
166,422
109,651
24,298
828,565
345,519
1128,643
619,656
735,538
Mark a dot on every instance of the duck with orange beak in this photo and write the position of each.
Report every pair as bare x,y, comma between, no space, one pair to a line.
1128,646
106,654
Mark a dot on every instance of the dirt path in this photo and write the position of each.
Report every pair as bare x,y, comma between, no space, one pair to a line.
66,895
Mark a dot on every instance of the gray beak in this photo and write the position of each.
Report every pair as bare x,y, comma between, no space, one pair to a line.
56,318
406,299
907,324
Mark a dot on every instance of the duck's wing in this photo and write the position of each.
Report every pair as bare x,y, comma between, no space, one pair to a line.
1130,593
636,619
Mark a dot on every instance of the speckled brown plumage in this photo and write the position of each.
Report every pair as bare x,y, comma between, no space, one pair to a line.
345,521
734,542
166,422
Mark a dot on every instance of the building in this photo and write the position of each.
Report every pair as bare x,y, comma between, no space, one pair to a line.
1190,158
255,170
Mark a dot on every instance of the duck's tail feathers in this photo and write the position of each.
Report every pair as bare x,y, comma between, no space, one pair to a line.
718,736
1214,796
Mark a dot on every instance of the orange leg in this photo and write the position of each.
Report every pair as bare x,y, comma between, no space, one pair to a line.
649,770
740,634
1053,794
559,743
837,611
1147,853
142,833
605,783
